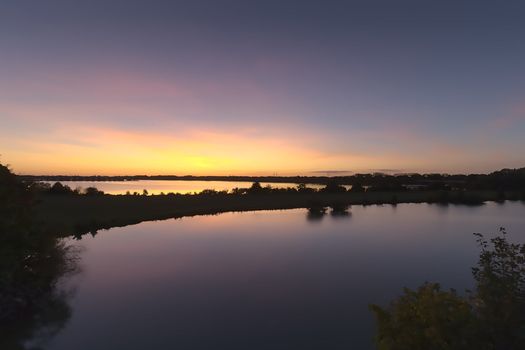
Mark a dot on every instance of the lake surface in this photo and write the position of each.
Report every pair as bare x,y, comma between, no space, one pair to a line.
166,186
267,279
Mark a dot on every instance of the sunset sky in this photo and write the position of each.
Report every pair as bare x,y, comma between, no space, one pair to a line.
261,87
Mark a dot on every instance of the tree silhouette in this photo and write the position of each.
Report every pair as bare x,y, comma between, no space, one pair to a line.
357,188
31,263
492,317
93,191
333,187
255,188
58,188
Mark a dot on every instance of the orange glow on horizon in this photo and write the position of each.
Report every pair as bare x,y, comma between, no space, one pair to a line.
111,152
120,122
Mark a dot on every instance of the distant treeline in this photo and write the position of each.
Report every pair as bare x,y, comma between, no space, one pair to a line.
505,179
59,189
256,188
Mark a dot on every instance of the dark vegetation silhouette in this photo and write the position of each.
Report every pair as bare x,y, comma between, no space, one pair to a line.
339,209
93,191
505,180
358,188
506,183
333,187
59,189
80,211
31,264
492,317
302,188
316,210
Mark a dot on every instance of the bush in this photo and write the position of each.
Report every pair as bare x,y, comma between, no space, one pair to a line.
333,187
491,317
60,189
31,264
357,188
93,191
427,318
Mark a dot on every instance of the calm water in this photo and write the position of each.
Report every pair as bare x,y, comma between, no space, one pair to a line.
166,186
269,279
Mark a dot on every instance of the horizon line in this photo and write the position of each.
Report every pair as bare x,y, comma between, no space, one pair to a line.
350,173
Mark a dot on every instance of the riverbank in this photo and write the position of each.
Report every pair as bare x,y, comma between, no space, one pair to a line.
76,215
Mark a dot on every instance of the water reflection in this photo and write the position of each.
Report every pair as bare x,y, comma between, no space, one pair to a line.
33,306
316,212
340,214
266,279
315,216
167,186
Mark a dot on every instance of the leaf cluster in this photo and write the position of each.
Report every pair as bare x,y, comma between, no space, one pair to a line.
491,317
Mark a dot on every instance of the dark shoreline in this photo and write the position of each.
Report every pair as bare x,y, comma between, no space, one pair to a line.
75,215
514,178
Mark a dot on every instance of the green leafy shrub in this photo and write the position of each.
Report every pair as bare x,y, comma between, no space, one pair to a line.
490,317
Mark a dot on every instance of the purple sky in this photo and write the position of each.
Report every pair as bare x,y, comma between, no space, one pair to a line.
261,87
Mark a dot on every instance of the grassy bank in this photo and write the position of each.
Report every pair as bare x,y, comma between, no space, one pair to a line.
67,214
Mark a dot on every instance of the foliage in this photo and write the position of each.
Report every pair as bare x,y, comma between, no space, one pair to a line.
505,179
316,210
239,191
256,188
93,191
333,187
491,317
31,263
357,188
428,318
59,189
386,187
339,208
302,188
500,298
211,192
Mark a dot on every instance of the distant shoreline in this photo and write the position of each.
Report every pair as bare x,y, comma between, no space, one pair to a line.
76,215
368,179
